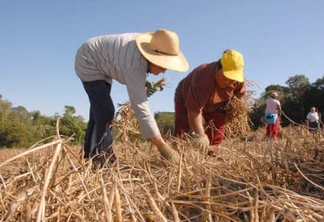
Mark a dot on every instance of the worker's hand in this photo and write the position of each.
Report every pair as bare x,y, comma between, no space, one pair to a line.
170,154
150,88
201,141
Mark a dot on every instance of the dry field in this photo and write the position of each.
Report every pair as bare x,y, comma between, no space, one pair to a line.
250,179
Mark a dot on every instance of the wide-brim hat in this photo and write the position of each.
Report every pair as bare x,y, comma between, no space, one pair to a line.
232,64
162,49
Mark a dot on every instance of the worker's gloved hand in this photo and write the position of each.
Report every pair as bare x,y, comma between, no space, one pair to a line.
151,92
201,141
150,88
170,154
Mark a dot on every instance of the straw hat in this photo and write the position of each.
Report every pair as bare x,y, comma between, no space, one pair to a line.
232,62
162,48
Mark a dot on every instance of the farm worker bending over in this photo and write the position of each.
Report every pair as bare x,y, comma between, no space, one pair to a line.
201,97
127,58
273,108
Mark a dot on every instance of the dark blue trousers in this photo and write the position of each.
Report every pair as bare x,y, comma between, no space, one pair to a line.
313,125
99,135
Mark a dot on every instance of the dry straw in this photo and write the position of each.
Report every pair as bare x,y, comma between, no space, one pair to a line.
51,182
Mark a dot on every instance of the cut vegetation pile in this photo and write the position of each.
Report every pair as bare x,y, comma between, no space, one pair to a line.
249,180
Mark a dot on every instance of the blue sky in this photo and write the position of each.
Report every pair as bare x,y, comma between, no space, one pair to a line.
39,39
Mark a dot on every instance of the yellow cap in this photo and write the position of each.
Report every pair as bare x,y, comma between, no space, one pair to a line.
233,63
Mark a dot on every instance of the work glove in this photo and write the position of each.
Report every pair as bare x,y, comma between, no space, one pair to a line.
150,88
169,154
201,141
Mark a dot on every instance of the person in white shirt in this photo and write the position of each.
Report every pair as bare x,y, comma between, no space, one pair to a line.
313,119
126,58
273,108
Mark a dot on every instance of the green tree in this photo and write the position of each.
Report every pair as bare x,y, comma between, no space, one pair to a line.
319,83
17,129
70,124
44,126
165,121
298,86
20,128
69,111
281,90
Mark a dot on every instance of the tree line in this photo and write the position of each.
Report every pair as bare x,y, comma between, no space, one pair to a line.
21,128
297,98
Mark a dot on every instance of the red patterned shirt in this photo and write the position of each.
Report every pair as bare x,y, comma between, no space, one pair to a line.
199,90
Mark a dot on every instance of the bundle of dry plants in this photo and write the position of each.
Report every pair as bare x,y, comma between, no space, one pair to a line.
125,121
238,123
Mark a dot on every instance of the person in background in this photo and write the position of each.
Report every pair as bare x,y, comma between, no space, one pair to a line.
127,58
272,112
201,97
313,119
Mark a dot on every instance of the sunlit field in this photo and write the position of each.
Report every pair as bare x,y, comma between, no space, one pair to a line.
249,179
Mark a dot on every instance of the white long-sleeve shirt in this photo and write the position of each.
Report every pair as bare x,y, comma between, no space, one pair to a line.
117,57
312,117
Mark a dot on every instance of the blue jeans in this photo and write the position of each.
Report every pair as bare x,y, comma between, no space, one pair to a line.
99,135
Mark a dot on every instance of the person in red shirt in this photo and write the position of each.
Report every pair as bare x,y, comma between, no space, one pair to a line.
201,97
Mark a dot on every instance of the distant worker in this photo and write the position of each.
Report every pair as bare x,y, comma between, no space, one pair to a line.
272,112
313,119
201,98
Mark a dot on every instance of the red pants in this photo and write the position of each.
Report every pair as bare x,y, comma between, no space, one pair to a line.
214,124
272,129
